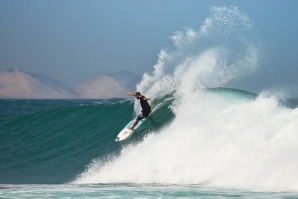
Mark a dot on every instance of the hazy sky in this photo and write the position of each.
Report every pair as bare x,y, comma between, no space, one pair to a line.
75,40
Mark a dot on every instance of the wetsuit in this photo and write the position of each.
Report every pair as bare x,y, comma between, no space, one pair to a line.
146,108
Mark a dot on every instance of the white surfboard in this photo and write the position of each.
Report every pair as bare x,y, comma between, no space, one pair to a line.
126,133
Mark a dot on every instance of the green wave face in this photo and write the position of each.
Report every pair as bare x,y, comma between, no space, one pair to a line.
51,141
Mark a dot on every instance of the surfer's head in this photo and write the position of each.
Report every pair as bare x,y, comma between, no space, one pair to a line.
138,95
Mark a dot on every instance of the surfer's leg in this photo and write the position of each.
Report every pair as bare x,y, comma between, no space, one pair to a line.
134,124
140,117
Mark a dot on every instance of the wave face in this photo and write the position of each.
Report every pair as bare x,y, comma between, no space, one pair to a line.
218,137
51,141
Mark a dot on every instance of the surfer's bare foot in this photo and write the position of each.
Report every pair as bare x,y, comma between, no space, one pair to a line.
130,128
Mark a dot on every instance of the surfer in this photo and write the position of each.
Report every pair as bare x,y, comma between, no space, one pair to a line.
146,108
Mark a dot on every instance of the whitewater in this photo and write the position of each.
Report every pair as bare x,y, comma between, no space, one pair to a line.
215,140
208,139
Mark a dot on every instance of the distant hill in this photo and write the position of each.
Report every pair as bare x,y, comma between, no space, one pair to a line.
127,79
17,83
109,86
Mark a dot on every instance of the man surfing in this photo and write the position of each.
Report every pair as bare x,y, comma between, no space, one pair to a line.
146,108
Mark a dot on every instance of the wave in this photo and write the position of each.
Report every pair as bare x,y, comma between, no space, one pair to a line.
51,141
215,140
223,134
218,138
56,143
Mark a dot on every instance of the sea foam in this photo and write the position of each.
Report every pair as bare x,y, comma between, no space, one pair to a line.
215,140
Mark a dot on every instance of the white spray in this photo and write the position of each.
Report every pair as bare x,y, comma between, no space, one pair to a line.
214,140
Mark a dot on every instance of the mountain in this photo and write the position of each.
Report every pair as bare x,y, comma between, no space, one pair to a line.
126,78
53,84
109,86
17,83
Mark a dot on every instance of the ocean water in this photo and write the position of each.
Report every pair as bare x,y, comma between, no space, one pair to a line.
66,148
207,140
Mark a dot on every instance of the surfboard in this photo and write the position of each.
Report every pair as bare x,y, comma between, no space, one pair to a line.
126,133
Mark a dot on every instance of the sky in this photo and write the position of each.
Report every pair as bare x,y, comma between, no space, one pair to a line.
75,40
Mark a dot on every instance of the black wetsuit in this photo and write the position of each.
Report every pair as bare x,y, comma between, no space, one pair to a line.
146,108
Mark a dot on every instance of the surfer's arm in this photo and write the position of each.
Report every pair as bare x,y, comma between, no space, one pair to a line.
146,98
130,94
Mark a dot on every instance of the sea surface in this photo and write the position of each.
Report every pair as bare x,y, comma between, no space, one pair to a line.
66,149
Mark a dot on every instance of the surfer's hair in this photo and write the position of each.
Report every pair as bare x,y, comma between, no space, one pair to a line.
137,93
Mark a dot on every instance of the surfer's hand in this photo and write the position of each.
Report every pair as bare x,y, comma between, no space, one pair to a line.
129,93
